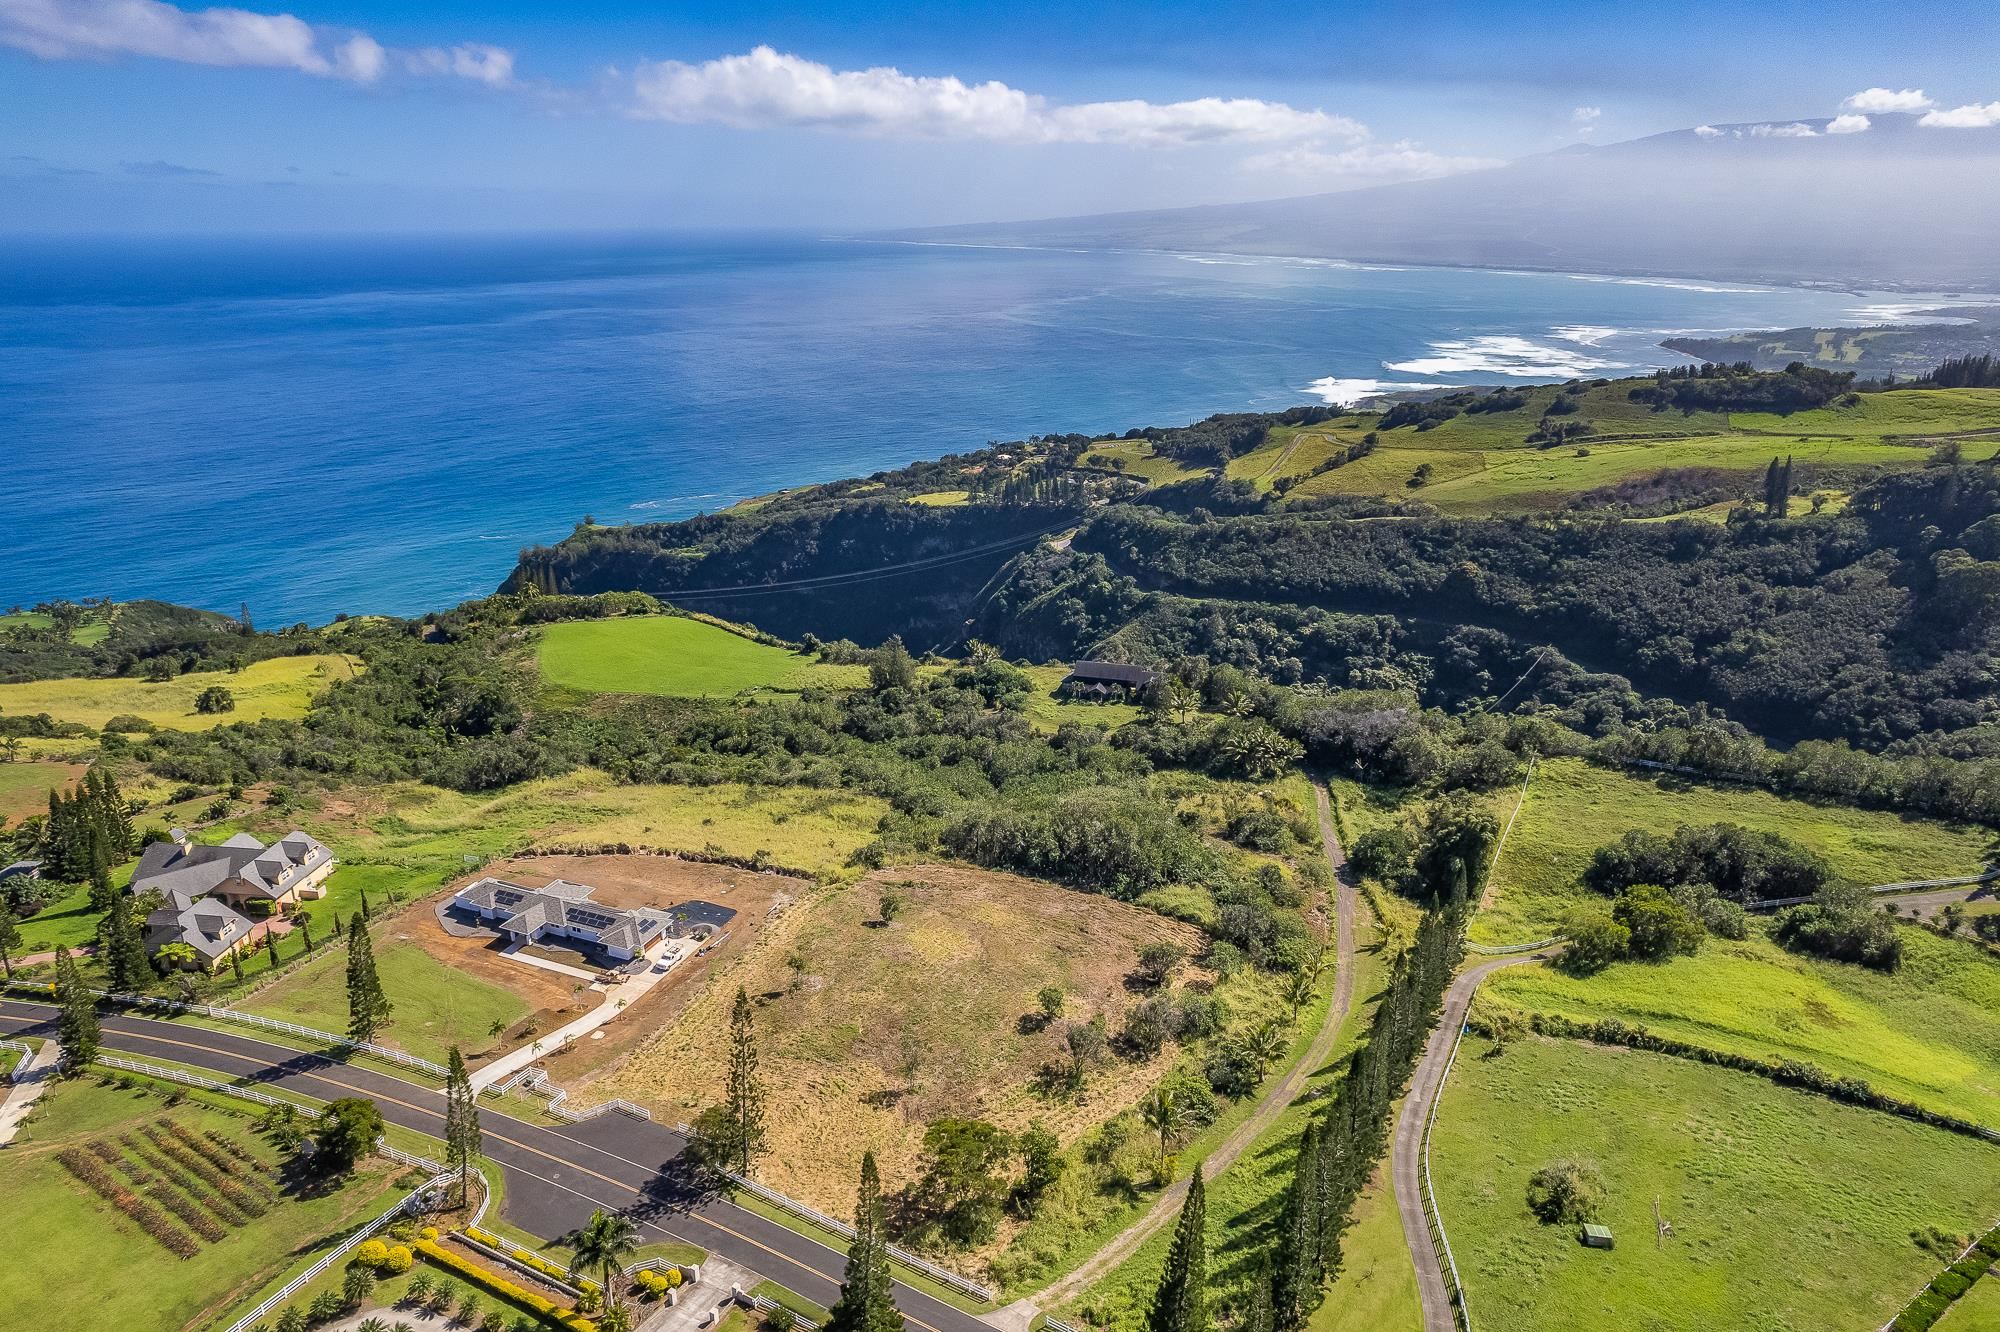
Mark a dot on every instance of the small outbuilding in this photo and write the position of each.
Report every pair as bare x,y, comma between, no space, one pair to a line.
1596,1236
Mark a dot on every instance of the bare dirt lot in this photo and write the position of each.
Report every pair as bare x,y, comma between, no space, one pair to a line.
866,1031
620,881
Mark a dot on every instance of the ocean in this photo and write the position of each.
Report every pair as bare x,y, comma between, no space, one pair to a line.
309,426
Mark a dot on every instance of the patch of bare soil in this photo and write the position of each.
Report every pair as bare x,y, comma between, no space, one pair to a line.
869,1030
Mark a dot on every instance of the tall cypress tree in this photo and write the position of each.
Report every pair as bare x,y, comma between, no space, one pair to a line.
1295,1289
76,1026
1180,1302
461,1121
1258,1315
367,1007
866,1302
271,946
124,950
10,940
746,1091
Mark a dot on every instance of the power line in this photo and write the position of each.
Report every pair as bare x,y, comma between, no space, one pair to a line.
864,575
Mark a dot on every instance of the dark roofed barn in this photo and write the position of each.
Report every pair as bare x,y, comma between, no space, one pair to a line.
1106,679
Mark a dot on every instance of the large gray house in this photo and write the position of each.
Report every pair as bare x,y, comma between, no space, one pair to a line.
211,892
561,910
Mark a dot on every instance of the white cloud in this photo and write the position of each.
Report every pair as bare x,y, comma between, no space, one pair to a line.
766,88
1584,118
1883,99
1798,129
1973,116
1707,132
469,60
241,38
1848,124
1362,164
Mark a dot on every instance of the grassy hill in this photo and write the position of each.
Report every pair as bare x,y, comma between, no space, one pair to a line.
1573,807
274,687
1788,1211
676,656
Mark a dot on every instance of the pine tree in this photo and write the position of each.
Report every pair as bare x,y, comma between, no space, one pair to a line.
745,1105
236,963
1296,1280
76,1027
112,813
271,946
10,939
1180,1303
1258,1315
367,1007
461,1121
364,904
866,1302
124,950
306,932
1771,490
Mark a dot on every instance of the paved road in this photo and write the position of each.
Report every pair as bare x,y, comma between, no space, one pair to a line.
554,1177
1275,1101
1406,1149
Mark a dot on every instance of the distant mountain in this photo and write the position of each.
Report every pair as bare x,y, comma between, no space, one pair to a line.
1898,204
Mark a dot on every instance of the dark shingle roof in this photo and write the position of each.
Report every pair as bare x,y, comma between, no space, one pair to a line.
1112,672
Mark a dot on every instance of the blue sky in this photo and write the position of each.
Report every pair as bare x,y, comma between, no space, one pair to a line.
456,113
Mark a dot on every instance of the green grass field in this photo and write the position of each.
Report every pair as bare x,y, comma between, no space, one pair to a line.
1135,458
278,687
1049,712
942,499
1929,1033
1482,463
94,1268
1789,1211
1978,1310
25,786
1376,1286
676,656
92,631
1574,807
435,1006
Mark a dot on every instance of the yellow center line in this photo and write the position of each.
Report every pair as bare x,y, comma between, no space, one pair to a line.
511,1142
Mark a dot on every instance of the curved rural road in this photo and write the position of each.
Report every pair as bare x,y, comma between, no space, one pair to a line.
1406,1150
1275,1102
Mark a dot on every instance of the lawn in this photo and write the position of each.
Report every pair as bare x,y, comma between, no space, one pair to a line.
1049,712
278,687
1929,1033
435,1006
942,499
1574,807
1788,1210
677,656
1376,1286
94,1268
25,787
1978,1310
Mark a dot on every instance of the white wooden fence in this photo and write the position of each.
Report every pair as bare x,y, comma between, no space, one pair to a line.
406,1060
26,1052
318,1269
535,1081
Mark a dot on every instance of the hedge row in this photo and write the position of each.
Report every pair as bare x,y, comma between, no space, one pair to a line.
1949,1284
550,1312
529,1258
1785,1072
148,1217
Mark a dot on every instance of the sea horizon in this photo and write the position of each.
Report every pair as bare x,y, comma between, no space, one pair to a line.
377,423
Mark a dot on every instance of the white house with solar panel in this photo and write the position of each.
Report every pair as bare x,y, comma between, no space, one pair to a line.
561,910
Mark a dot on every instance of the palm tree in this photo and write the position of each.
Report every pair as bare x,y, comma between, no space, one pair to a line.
1265,1046
1165,1115
604,1245
616,1319
372,1325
